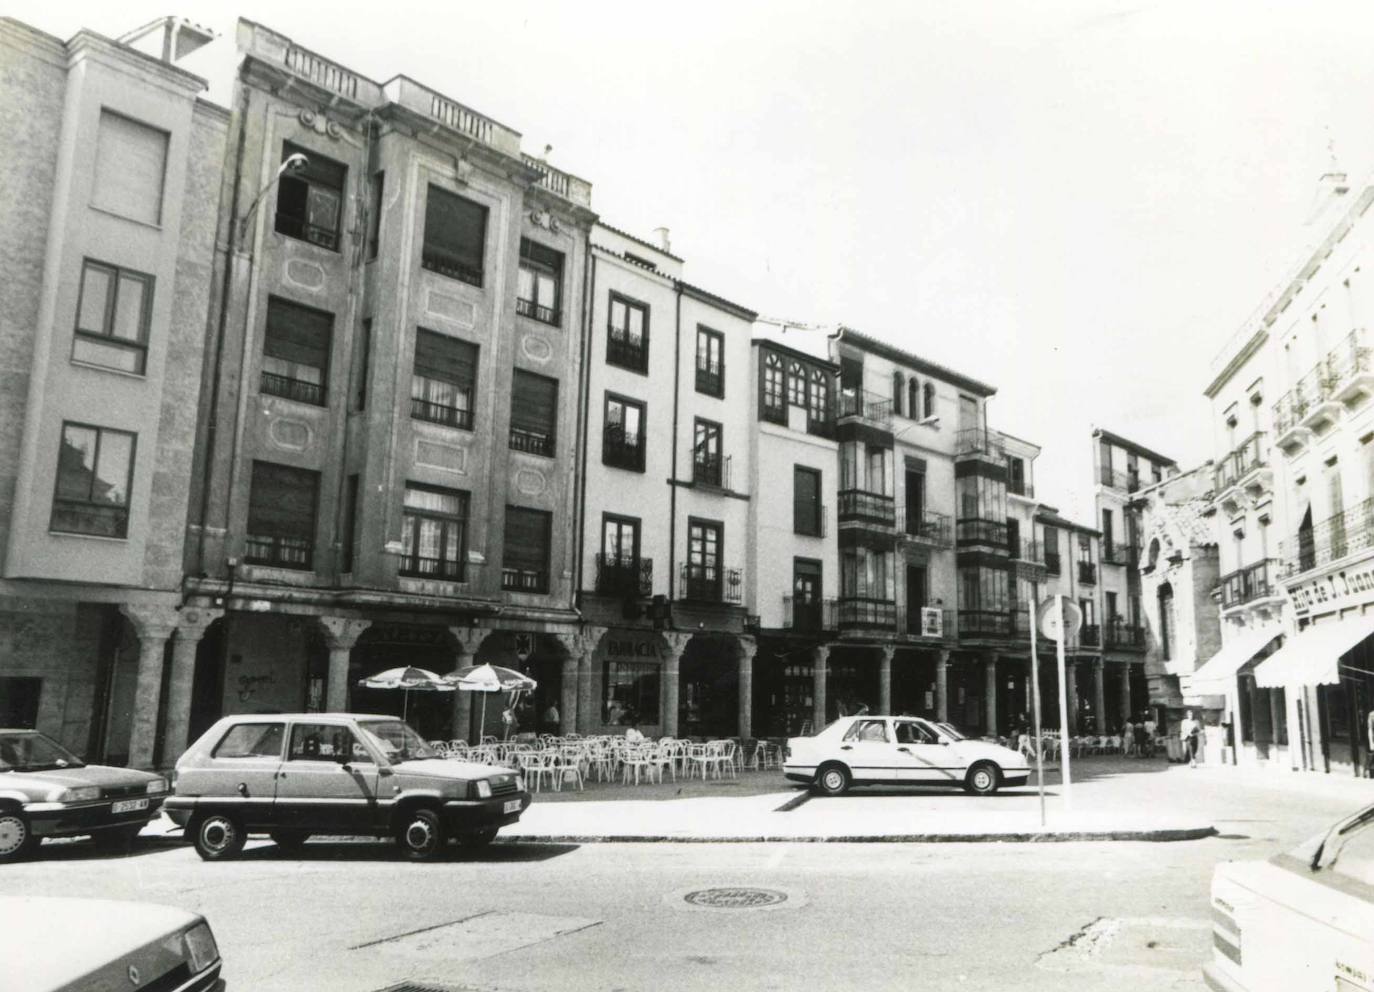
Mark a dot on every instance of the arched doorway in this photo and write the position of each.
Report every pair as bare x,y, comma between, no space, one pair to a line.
708,687
1166,621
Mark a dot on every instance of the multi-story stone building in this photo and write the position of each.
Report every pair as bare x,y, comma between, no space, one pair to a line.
111,170
385,462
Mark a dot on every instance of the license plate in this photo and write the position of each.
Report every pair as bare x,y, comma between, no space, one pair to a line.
128,805
512,806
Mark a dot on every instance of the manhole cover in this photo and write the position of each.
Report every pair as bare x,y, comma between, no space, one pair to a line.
735,897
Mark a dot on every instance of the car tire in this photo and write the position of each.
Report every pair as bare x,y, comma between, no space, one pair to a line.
16,837
218,837
289,841
832,779
118,841
421,834
480,838
983,779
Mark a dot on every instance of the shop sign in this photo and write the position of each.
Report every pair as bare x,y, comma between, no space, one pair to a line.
631,647
1332,592
932,622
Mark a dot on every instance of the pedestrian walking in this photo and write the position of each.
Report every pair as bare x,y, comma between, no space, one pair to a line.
551,717
1150,728
1128,738
1188,731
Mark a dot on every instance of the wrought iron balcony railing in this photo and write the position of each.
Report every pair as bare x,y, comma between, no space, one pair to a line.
447,569
979,442
279,551
924,525
1325,381
990,532
705,583
1257,581
627,354
624,575
710,381
1250,454
621,448
1119,634
545,315
1052,562
863,612
1090,635
808,616
986,623
1087,573
439,413
1339,535
293,389
860,403
861,506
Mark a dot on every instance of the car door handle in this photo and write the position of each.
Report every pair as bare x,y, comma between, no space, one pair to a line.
243,788
904,750
845,747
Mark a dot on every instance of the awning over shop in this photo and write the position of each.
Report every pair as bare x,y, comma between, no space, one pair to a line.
1313,656
1215,676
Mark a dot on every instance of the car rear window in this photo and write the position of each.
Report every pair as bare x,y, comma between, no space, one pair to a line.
868,730
251,740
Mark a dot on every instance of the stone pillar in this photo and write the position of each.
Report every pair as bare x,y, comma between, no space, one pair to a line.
942,687
1071,692
191,627
748,647
154,625
1276,715
677,643
990,692
467,641
1126,711
585,710
819,656
885,678
1099,697
579,647
340,634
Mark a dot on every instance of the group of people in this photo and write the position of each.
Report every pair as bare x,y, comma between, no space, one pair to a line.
1138,736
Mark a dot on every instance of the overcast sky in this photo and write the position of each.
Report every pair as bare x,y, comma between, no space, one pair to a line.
1076,202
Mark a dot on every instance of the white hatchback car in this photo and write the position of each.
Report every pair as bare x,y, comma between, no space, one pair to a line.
1301,920
900,750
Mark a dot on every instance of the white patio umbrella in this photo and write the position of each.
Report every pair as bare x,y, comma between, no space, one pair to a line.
408,679
490,678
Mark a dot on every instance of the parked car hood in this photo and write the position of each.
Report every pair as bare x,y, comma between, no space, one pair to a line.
105,776
448,768
34,959
973,750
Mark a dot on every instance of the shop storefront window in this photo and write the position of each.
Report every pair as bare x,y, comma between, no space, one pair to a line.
631,695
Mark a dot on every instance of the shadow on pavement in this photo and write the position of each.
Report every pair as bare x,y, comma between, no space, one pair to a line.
384,850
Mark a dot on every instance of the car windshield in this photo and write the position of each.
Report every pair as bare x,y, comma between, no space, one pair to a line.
32,752
1344,848
949,730
396,740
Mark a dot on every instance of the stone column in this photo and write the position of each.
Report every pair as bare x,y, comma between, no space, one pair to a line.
885,678
942,687
819,656
1099,697
467,640
340,634
677,643
585,710
748,647
579,647
1276,715
990,692
191,627
1126,711
1071,692
154,625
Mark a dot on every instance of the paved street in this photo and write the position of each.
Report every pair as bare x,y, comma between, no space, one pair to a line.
353,916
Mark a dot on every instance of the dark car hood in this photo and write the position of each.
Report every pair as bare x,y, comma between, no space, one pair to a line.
105,776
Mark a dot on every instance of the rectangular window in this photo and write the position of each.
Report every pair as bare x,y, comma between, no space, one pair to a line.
1108,537
310,199
281,516
362,361
618,565
455,236
434,528
710,362
349,528
1051,538
374,212
295,352
541,283
819,410
796,384
807,595
773,396
442,384
1016,476
706,460
533,413
130,165
251,740
631,695
95,469
627,341
19,701
325,742
622,444
806,501
702,580
525,562
112,315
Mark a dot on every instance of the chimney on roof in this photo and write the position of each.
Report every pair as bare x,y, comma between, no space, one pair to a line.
169,39
661,239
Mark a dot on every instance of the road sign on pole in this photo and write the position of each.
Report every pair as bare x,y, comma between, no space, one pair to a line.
1035,713
1060,620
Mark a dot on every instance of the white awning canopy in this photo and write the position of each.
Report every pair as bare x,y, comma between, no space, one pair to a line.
1215,676
1313,656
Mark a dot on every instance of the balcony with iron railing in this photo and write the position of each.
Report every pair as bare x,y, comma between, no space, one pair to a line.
809,616
929,622
986,623
1087,573
1090,635
710,381
1115,478
1240,466
279,551
545,315
1120,554
627,353
860,404
1342,534
621,448
439,413
1052,563
1120,634
992,533
924,526
288,388
1025,549
1020,487
624,575
860,506
1253,582
863,613
418,566
706,583
710,469
1342,378
980,443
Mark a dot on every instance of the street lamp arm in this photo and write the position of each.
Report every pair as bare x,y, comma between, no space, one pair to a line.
295,162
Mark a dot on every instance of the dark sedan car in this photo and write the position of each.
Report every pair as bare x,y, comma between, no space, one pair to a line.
46,791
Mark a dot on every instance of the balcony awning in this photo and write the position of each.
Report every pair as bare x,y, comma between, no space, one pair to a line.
1313,656
1215,675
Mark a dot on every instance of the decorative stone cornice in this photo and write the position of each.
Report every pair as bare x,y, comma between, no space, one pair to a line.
341,633
151,622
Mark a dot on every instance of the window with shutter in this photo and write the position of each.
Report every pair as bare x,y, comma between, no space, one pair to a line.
310,199
525,561
434,532
806,501
130,165
541,282
774,399
455,236
533,413
441,387
281,516
295,362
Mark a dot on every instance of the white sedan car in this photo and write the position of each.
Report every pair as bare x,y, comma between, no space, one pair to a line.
899,750
1301,920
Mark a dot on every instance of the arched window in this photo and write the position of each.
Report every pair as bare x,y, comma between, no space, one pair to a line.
774,397
796,384
1166,620
929,392
897,393
913,399
820,396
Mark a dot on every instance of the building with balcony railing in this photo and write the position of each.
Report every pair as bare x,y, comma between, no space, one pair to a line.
624,575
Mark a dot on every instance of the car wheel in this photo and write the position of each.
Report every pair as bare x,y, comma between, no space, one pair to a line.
832,780
289,841
479,839
218,837
983,779
421,835
16,839
119,841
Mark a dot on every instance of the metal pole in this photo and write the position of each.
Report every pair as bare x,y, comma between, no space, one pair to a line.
1035,702
1063,704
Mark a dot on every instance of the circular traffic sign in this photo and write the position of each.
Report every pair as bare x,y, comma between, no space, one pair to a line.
1057,625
